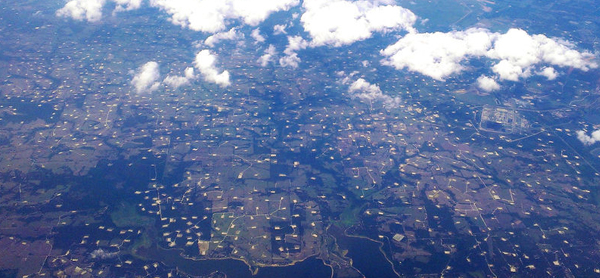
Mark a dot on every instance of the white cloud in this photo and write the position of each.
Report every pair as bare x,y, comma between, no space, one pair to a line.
295,43
340,22
517,47
206,16
90,10
211,16
268,56
232,34
437,55
363,86
255,12
101,254
487,84
370,92
586,139
517,53
145,80
257,36
291,58
205,63
178,81
127,5
548,72
199,15
279,29
510,71
524,50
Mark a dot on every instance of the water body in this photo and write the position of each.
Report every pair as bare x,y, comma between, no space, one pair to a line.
311,267
365,254
367,258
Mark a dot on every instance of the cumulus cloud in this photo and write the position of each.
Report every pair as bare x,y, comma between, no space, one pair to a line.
291,58
487,84
127,5
102,254
255,12
257,36
205,63
509,71
199,15
211,16
295,43
340,22
364,90
517,53
523,50
587,139
90,10
232,34
437,55
178,81
268,56
548,72
363,86
279,29
145,79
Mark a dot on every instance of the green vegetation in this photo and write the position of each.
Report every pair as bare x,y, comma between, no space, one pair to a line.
350,216
127,216
143,242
